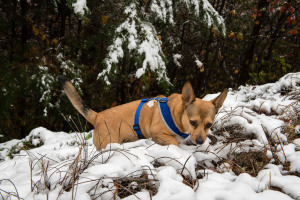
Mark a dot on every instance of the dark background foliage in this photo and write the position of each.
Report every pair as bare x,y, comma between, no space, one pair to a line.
39,38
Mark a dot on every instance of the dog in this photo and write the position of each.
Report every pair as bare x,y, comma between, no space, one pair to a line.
191,115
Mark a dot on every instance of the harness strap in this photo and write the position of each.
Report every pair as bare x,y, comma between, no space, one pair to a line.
165,114
136,125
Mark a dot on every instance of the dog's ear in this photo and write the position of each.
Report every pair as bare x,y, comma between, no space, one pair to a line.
218,102
188,95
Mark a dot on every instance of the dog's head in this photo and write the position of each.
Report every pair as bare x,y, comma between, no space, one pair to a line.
198,115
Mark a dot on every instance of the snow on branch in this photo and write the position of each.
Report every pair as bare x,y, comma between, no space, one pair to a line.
164,9
151,48
140,40
212,17
136,40
80,7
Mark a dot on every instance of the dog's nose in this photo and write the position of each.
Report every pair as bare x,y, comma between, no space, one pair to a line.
199,141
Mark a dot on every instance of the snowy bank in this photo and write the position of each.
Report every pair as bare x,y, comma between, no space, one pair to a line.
252,152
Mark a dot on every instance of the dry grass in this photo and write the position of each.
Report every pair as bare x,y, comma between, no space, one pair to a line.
8,194
249,162
130,185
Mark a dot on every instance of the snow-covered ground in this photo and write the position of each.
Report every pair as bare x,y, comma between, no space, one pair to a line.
253,152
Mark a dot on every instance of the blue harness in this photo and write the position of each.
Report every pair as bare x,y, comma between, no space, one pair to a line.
165,114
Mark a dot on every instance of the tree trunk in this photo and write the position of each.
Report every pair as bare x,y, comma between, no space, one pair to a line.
24,31
249,53
63,10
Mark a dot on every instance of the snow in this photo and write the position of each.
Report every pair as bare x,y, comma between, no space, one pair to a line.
199,63
228,187
151,48
259,114
163,10
297,129
168,176
211,16
176,58
80,7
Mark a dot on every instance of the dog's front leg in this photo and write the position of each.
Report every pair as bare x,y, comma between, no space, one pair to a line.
166,139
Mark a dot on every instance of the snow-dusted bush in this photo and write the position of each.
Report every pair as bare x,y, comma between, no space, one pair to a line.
137,44
46,80
135,40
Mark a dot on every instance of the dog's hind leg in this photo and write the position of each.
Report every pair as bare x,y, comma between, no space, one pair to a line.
103,136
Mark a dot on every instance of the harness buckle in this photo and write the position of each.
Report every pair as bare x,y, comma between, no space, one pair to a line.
136,127
163,100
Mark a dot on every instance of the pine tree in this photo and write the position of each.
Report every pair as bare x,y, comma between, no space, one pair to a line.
137,48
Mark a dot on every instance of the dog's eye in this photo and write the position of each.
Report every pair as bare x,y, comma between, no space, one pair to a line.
209,125
193,123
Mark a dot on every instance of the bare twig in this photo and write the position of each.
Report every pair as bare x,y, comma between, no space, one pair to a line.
15,195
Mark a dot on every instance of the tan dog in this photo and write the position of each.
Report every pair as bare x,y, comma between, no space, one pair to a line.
191,115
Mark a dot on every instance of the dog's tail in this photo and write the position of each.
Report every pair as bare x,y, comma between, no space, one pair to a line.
77,102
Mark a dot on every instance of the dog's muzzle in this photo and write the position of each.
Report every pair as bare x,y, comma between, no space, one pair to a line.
199,141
